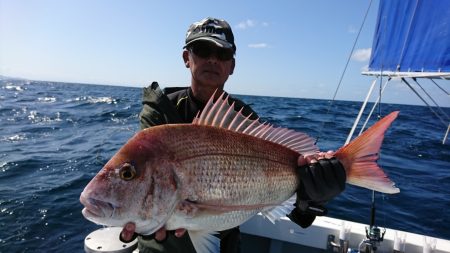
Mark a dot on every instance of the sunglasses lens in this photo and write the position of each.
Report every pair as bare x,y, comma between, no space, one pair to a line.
224,54
202,50
205,51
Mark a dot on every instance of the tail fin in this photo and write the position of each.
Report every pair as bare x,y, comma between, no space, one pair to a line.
359,158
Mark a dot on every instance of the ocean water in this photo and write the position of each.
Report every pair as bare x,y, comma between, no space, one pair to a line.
54,137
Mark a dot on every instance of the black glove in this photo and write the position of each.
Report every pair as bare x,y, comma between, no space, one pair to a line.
319,183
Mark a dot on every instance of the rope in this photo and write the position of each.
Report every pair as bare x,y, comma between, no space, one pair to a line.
426,103
343,72
446,92
431,98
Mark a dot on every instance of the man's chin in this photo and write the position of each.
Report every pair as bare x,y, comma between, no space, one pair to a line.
211,84
211,76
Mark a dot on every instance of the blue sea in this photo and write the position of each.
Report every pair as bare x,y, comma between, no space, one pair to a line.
54,137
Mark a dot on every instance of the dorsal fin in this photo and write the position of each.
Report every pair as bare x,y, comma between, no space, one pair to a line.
221,114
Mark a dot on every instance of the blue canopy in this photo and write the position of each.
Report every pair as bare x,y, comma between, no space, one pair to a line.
412,36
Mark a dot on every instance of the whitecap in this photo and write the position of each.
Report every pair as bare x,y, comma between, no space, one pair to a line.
58,117
93,100
13,87
47,99
34,118
14,138
3,169
107,100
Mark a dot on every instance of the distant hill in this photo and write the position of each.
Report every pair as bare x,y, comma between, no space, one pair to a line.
10,78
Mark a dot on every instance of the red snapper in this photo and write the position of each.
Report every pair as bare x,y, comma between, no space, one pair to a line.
216,173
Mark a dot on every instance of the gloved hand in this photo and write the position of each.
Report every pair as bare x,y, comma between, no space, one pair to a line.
128,233
320,181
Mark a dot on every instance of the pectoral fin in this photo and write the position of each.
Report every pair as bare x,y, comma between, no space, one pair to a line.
274,214
204,241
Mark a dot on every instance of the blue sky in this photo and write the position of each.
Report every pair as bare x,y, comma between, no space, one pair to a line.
292,48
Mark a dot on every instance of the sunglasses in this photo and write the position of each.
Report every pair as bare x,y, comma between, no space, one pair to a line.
205,51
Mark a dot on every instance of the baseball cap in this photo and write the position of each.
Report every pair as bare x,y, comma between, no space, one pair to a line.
210,29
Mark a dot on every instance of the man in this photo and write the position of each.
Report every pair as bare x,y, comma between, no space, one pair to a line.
209,54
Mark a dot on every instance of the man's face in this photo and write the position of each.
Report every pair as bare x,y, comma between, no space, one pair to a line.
210,65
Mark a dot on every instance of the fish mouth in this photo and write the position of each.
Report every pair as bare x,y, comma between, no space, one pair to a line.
96,208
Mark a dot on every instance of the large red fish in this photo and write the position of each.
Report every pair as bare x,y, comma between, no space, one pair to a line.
216,173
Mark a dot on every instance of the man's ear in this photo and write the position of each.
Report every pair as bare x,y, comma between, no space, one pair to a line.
233,64
186,58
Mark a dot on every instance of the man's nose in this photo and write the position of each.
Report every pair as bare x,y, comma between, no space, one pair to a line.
213,58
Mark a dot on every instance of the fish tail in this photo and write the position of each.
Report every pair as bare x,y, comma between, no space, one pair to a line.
359,158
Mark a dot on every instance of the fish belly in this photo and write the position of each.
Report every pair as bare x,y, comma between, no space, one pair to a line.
209,222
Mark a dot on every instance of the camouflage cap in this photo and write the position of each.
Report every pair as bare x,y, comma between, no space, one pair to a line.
214,30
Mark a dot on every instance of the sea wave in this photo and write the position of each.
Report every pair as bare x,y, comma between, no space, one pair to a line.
36,117
13,87
93,100
47,99
14,138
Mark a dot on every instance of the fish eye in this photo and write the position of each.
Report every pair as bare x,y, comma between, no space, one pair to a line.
127,172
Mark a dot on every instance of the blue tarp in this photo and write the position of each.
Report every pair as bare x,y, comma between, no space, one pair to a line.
412,36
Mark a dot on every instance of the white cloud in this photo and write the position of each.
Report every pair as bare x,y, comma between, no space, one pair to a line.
250,23
258,45
246,24
362,54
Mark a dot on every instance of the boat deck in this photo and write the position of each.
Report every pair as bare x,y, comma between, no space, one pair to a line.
260,235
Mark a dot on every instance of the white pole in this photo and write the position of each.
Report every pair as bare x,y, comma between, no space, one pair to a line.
373,107
350,135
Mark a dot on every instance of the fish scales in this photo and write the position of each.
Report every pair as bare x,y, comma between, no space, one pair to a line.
237,170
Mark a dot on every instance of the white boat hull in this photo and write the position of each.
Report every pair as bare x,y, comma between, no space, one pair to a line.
285,236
